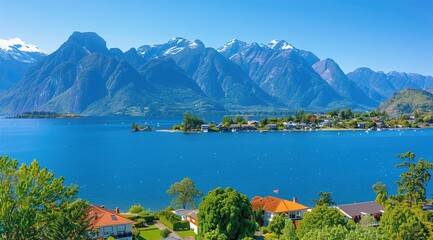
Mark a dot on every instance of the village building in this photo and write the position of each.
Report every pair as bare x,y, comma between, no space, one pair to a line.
205,128
273,206
355,211
191,216
290,125
105,223
272,127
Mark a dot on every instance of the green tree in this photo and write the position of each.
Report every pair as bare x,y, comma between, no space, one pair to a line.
367,221
381,192
226,213
413,183
324,199
320,216
227,121
276,225
264,121
332,113
239,120
70,223
137,208
299,115
403,222
337,232
36,205
184,193
258,217
288,232
191,122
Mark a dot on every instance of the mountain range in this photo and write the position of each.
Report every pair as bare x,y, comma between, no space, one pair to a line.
84,76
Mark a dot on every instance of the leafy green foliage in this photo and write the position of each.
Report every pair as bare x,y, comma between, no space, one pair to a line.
413,183
321,216
191,122
165,233
288,232
403,222
324,199
184,193
136,209
225,214
276,225
367,221
36,205
258,217
340,232
381,192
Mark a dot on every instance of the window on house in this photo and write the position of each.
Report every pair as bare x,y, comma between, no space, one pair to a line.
108,231
292,215
121,229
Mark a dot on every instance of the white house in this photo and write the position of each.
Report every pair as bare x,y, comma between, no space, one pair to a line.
105,223
191,216
273,206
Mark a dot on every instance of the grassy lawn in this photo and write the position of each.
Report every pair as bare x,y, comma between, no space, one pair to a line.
186,233
150,233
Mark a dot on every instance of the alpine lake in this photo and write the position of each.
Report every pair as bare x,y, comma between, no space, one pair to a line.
117,168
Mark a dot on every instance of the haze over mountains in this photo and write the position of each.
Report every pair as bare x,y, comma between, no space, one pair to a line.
84,76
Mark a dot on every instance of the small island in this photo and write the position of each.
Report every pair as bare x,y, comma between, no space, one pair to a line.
45,114
137,128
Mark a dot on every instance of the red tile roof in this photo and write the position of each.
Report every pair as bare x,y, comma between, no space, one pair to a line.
275,205
100,217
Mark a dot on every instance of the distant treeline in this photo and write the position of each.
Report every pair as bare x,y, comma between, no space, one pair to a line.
45,114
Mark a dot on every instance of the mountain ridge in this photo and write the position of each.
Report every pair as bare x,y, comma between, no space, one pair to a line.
84,76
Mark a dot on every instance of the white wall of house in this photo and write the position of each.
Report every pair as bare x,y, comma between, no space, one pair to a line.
267,216
193,227
107,231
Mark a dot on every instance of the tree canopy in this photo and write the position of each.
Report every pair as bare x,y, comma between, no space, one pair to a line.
191,122
184,193
403,222
320,216
324,199
36,205
225,214
136,209
413,183
381,192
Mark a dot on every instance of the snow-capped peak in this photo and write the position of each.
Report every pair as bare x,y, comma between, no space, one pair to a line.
232,45
16,43
178,40
279,45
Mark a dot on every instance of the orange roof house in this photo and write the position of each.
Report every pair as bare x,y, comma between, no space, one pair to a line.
273,206
105,223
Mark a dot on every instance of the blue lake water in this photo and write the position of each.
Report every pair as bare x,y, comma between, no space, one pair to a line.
116,168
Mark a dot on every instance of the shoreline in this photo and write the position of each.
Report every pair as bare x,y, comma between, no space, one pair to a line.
286,130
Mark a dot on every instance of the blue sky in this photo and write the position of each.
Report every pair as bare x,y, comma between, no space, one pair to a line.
381,34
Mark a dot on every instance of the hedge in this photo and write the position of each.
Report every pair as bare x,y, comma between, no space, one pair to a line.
173,221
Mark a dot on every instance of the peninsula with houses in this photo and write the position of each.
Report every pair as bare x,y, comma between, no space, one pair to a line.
304,121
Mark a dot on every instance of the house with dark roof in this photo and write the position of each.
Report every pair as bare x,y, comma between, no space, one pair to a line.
191,216
355,211
105,223
273,206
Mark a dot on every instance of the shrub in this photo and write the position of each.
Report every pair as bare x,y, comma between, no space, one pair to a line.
165,233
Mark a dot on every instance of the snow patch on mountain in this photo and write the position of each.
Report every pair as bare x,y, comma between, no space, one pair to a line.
18,44
279,45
